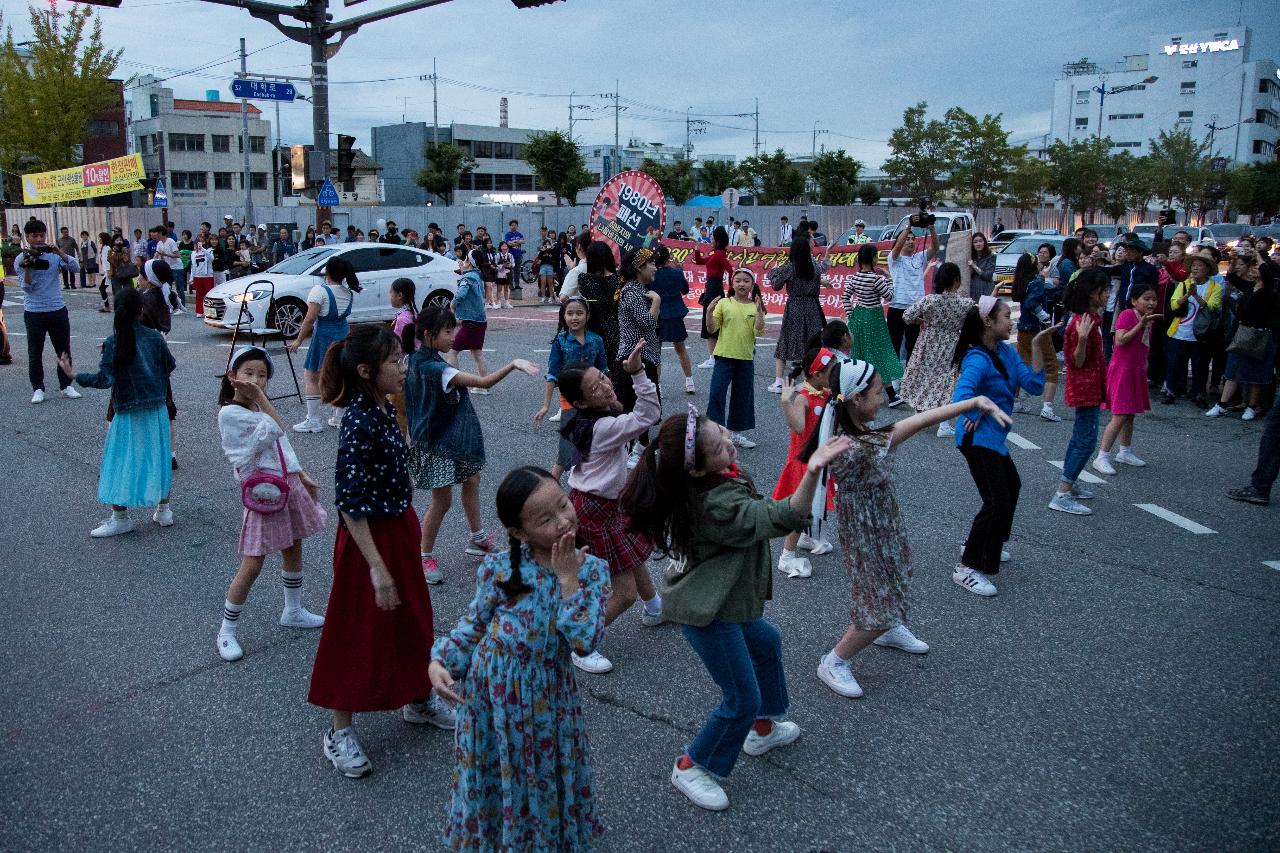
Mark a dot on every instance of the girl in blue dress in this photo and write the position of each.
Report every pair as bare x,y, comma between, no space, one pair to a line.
522,774
328,306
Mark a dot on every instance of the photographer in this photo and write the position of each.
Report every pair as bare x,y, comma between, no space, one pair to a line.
906,269
39,271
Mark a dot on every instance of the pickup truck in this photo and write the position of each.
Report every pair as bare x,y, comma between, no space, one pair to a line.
949,221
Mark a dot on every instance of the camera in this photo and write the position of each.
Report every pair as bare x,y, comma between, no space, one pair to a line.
923,219
32,257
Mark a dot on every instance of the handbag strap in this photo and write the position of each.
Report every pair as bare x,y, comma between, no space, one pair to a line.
284,471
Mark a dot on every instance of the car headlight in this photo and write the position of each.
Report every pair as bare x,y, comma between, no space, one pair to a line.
252,295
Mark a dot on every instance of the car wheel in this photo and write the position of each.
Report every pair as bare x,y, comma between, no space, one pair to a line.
287,315
527,273
438,299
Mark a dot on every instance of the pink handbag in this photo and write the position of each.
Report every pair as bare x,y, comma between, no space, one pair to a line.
264,491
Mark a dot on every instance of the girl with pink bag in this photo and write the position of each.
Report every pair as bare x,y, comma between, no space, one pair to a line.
280,508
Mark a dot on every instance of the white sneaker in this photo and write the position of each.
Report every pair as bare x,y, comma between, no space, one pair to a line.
37,397
776,387
483,392
301,618
342,748
946,429
839,677
651,620
974,581
163,515
902,638
1047,413
506,305
795,567
229,647
781,734
556,417
1103,466
594,663
1021,408
1216,411
701,789
742,441
689,387
708,364
112,527
1249,414
1126,457
309,425
1064,502
433,712
71,393
816,547
335,420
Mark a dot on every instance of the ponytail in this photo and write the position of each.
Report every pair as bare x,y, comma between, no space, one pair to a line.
339,269
128,310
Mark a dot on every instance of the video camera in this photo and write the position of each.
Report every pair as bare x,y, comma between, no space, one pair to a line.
32,257
923,219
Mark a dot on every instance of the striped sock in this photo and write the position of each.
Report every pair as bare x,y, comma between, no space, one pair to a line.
230,617
292,590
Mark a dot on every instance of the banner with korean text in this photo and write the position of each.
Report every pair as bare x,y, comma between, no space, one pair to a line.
627,209
119,175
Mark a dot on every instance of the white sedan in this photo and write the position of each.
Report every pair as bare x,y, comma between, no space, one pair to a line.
277,299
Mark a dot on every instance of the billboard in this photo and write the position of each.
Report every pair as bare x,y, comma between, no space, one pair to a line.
119,175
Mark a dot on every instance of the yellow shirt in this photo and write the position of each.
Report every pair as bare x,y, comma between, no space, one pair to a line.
736,322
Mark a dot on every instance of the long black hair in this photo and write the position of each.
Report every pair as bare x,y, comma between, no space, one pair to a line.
409,293
513,494
720,237
1024,271
600,258
661,498
945,277
1076,297
128,313
339,269
801,257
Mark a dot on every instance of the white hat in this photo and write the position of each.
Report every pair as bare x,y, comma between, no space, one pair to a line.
226,216
262,227
243,352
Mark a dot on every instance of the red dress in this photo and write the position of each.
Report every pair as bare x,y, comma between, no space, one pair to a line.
1086,384
793,471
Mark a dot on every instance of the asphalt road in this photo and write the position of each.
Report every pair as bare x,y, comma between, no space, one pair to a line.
1119,693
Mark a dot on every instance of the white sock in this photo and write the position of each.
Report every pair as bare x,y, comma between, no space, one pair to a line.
230,618
832,659
292,589
654,605
788,554
1104,455
337,412
1124,448
477,535
313,407
120,514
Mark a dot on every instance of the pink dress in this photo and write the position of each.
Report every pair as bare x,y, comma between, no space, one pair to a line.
1127,391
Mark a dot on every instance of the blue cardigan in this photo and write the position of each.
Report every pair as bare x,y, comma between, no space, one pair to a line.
145,382
979,376
468,302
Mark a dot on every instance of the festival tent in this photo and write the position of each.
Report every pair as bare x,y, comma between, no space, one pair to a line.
704,201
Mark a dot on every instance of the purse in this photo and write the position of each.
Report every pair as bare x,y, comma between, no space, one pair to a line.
265,491
129,270
1208,321
1250,342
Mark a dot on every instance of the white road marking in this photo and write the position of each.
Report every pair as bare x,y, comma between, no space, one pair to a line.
542,350
1173,518
1019,441
1084,475
1272,564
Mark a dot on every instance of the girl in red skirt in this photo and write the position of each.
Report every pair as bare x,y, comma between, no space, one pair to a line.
376,643
802,407
599,434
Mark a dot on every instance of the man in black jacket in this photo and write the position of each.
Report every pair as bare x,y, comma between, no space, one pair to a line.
1132,270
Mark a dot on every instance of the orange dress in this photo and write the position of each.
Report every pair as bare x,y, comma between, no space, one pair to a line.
815,402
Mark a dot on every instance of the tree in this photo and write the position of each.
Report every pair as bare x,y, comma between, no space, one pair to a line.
868,193
48,100
836,174
558,164
775,178
1126,186
716,176
1078,172
1025,186
1179,168
1255,188
445,163
676,179
983,156
922,152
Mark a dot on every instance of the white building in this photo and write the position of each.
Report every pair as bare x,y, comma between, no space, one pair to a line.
1182,81
599,160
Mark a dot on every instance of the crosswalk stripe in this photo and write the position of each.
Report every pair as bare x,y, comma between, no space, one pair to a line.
1019,441
1173,518
1084,475
1272,564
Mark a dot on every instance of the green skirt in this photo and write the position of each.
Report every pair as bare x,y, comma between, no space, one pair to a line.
871,342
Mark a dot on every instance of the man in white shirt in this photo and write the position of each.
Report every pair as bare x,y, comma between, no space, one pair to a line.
784,232
167,251
745,236
906,269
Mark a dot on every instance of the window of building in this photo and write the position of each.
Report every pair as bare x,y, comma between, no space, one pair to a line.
257,145
1190,63
98,127
464,181
1217,36
1260,147
1176,40
482,182
221,144
258,180
222,180
595,153
144,143
1267,117
1082,97
1125,144
1123,116
1185,114
464,144
483,149
1082,122
186,142
1189,87
524,182
1269,87
503,150
189,180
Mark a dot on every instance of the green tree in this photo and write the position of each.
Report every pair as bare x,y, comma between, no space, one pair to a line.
836,174
1255,188
868,193
1180,168
676,179
48,100
922,153
558,164
1025,185
1126,185
775,178
716,176
983,156
1078,172
445,163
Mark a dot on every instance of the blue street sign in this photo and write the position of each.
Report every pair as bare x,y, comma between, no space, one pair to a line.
161,197
263,90
328,196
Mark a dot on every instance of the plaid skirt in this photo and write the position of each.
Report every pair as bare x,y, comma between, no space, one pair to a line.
603,527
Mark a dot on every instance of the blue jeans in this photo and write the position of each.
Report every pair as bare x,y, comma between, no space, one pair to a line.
745,660
178,293
1084,438
735,378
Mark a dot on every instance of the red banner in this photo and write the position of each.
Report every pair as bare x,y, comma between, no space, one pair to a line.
628,205
841,263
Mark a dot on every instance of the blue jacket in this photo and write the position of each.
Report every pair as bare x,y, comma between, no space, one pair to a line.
145,382
468,302
44,293
979,376
1034,315
567,352
671,285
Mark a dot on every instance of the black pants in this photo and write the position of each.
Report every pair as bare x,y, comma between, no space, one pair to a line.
55,324
68,278
998,484
1157,358
899,330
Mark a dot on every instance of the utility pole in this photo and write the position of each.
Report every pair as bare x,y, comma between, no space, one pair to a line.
692,127
1103,91
1214,127
815,139
615,96
757,115
435,102
244,142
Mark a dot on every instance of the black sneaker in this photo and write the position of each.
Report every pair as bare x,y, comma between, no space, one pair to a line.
1166,399
1249,495
173,463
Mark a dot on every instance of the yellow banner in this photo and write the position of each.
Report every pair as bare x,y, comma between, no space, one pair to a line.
121,175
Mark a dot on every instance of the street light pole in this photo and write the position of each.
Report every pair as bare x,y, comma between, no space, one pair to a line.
1214,127
244,143
1103,91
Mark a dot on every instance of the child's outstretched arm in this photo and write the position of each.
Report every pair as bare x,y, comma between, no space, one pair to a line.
908,427
792,405
471,380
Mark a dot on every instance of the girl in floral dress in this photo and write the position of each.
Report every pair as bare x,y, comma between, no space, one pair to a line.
522,779
930,377
877,557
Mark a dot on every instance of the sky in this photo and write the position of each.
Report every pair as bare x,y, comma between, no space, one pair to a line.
850,68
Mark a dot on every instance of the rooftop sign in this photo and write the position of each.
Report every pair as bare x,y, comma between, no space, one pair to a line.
1201,47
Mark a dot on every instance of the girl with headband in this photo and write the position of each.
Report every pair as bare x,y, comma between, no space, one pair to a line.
989,366
877,557
689,496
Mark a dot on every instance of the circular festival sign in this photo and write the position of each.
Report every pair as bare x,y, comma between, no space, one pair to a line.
629,204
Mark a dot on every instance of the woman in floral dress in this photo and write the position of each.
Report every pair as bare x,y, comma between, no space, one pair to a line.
930,377
522,776
802,318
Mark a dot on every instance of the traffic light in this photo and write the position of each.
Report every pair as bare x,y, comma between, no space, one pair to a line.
529,4
346,163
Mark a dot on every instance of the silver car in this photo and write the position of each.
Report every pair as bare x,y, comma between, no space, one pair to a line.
1008,256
